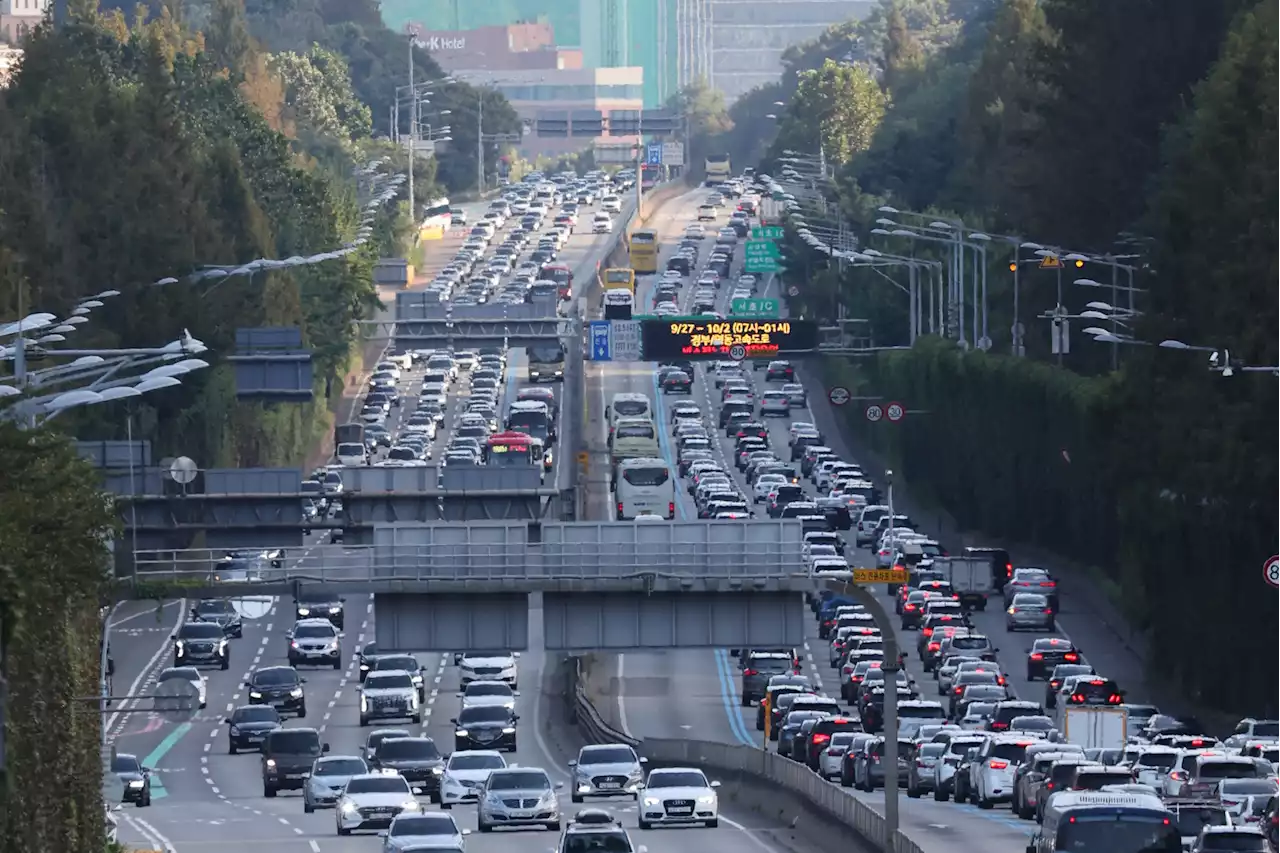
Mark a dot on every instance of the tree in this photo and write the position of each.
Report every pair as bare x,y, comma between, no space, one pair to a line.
53,567
706,119
1119,71
318,94
903,56
837,108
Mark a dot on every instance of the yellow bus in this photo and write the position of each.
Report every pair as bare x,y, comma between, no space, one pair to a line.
644,251
619,278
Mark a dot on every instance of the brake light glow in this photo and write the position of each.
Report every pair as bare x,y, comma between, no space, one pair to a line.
1037,656
908,607
671,508
998,764
1197,742
1178,775
1008,570
1071,656
959,690
750,672
619,507
999,725
933,647
821,738
1048,583
928,632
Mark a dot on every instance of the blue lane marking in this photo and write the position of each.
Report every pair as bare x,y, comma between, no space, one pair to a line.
157,755
660,423
730,698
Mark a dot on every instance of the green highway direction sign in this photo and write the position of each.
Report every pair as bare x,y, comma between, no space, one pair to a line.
762,249
763,264
755,307
766,232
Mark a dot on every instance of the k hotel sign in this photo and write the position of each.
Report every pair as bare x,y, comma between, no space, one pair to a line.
434,43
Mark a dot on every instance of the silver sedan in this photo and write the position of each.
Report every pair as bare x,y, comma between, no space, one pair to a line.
1029,611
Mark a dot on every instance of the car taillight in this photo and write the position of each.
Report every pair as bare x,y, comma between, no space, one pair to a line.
999,725
908,607
1048,583
1071,656
927,632
671,508
1013,610
997,764
1178,775
847,669
1008,570
1037,656
933,647
959,690
821,738
619,507
750,672
1049,785
1048,611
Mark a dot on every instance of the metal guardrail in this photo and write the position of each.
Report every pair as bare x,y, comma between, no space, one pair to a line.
763,766
752,564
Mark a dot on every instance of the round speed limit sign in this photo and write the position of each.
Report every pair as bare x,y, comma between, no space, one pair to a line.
894,412
1271,571
737,352
874,413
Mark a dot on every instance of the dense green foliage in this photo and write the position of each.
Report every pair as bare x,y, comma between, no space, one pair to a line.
52,569
836,109
1135,128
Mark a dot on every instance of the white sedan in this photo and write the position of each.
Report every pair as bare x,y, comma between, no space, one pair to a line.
175,675
465,775
679,795
766,484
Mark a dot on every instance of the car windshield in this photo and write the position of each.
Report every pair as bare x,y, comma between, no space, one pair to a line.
607,755
1192,819
340,767
255,714
1011,751
1228,770
1032,724
378,785
483,714
185,673
200,631
492,689
125,764
314,632
1248,786
275,677
404,663
206,608
423,824
1265,730
294,742
476,762
630,408
411,747
677,779
388,681
520,780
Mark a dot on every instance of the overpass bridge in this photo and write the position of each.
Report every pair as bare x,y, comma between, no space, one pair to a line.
423,321
602,586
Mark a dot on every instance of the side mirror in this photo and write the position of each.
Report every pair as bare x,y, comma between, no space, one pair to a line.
453,720
226,720
517,693
147,771
715,784
644,760
341,635
466,832
734,652
302,681
173,636
515,718
459,694
573,762
324,749
342,599
559,786
995,651
382,834
515,654
903,655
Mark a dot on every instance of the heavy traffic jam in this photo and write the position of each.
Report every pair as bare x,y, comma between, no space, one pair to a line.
720,441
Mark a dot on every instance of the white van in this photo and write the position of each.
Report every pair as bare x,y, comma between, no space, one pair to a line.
627,404
352,454
645,487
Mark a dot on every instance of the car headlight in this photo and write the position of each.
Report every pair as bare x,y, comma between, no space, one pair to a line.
411,806
222,646
364,704
335,609
417,681
179,645
135,783
271,762
235,730
348,806
439,771
709,799
461,733
652,801
296,693
254,694
303,611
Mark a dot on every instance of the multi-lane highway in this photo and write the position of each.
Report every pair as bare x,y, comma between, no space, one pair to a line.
690,693
205,799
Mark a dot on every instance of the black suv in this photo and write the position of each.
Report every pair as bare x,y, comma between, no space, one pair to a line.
280,687
201,644
485,727
317,604
595,829
417,759
249,725
287,757
221,611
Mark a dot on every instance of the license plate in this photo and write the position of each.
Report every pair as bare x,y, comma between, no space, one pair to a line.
610,785
297,775
681,811
255,738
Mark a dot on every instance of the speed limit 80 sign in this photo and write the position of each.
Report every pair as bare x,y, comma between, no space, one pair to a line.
1271,571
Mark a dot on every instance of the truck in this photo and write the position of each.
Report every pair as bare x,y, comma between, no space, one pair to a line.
1094,727
970,577
348,434
717,169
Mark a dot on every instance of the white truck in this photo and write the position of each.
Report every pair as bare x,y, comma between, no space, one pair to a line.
970,577
1094,727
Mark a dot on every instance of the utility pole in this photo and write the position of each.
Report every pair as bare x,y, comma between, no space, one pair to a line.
480,143
413,132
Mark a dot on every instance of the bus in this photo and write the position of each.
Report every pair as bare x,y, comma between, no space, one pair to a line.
436,220
644,251
619,303
1106,822
619,277
546,361
645,487
718,169
513,450
650,176
561,275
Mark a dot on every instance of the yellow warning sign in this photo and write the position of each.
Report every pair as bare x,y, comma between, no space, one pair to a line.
880,576
1050,262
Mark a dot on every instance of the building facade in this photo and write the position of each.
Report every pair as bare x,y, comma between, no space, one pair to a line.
20,17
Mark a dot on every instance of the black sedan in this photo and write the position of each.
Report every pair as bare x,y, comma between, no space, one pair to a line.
280,687
135,778
248,725
485,727
1047,652
780,371
368,657
677,382
416,759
